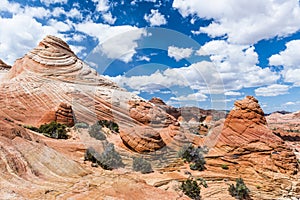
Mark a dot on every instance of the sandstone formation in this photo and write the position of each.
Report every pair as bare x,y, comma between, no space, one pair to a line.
285,125
157,101
63,115
245,132
29,160
51,83
142,139
249,148
51,74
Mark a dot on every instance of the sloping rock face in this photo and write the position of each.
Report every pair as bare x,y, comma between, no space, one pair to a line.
54,169
245,132
37,84
251,151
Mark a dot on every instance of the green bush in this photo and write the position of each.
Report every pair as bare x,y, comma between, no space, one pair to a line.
223,166
141,165
54,130
194,156
91,155
191,189
240,190
109,159
109,124
95,132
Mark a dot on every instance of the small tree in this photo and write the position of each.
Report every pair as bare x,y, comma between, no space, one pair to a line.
95,132
109,159
193,156
91,155
54,130
240,191
141,165
191,189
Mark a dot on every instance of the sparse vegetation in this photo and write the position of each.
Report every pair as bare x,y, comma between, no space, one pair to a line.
91,155
95,132
109,124
191,189
240,190
52,130
9,120
194,156
224,166
141,165
109,159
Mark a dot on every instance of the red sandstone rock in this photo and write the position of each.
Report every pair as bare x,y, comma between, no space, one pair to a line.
245,132
142,139
51,73
63,115
157,101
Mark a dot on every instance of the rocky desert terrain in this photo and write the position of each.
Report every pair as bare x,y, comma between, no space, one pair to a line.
50,83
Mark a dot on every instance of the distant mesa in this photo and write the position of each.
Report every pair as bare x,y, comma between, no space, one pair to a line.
157,101
4,66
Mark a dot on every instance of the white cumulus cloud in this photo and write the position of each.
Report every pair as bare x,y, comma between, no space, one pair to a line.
107,17
232,93
179,53
290,60
191,97
272,90
101,5
49,2
237,65
243,21
116,42
155,18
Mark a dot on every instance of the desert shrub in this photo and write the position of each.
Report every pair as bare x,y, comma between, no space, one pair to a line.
223,166
191,189
109,159
54,130
95,132
240,190
81,125
141,165
109,124
91,155
194,156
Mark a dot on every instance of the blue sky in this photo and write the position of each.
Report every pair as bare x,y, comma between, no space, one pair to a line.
188,52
